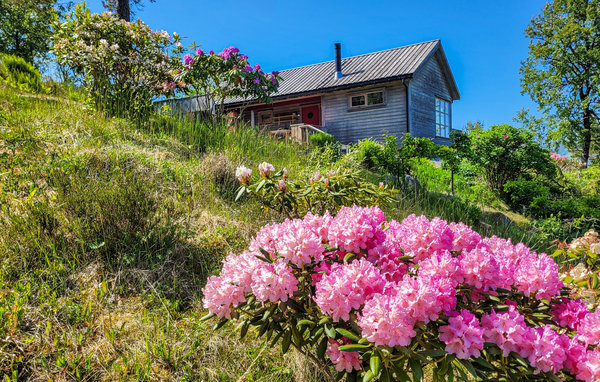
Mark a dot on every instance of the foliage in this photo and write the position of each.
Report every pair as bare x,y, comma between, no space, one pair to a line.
16,72
557,74
26,28
217,77
587,180
382,299
124,65
504,153
369,152
322,140
294,199
519,194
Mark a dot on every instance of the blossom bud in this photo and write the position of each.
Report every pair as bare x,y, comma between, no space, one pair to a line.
265,169
243,174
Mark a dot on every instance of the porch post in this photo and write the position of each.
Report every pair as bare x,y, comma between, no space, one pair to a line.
252,118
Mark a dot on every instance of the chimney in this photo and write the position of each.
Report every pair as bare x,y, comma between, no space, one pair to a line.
338,60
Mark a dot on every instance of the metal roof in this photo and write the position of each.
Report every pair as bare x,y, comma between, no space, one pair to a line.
385,65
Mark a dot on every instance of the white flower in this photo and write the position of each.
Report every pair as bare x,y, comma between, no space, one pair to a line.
243,174
265,169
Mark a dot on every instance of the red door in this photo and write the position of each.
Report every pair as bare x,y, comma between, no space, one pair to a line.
310,115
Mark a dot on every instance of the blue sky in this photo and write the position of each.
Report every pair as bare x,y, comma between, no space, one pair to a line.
483,40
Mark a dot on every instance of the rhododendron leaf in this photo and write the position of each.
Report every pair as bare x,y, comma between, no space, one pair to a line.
368,376
375,364
581,283
322,347
433,353
460,370
263,329
306,322
349,256
208,317
400,374
277,337
297,336
287,339
484,363
469,366
404,258
417,371
244,328
330,331
347,334
240,192
260,185
595,281
351,377
340,375
220,324
354,347
324,320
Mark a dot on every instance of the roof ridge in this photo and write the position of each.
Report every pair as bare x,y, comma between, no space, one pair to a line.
360,55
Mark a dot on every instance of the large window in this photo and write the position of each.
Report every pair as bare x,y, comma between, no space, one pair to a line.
362,100
442,118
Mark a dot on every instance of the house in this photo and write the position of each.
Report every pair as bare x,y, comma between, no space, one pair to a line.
394,91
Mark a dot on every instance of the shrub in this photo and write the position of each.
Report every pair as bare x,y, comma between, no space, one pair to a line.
123,64
504,153
226,74
322,140
369,153
381,299
18,73
321,193
519,194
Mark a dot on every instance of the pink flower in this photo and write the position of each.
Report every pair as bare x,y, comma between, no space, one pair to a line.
248,68
568,313
273,282
480,269
463,335
298,243
318,224
265,169
256,67
465,239
508,331
441,264
420,238
343,361
281,186
538,275
588,330
589,369
347,287
188,60
357,228
220,295
199,52
243,174
257,81
385,321
506,136
549,354
238,270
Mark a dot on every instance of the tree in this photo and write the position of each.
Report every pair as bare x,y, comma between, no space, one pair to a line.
562,73
122,8
26,27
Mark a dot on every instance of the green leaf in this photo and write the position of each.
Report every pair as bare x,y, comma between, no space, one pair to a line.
330,331
240,192
322,347
244,329
297,336
349,256
469,366
484,363
375,364
287,339
433,353
417,371
220,324
368,376
208,317
347,334
354,347
400,374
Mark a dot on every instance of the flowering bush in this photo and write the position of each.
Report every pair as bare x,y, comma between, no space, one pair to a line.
123,64
318,194
382,299
226,74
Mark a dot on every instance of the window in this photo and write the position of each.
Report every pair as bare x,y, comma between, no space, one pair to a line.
366,99
442,118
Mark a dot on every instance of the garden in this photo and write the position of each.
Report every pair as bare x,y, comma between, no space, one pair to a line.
139,245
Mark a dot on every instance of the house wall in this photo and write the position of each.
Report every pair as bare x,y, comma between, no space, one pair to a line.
427,84
350,126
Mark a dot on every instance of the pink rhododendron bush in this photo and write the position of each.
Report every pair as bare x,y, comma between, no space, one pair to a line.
385,300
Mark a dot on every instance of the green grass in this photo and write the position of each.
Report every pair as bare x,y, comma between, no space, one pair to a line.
108,231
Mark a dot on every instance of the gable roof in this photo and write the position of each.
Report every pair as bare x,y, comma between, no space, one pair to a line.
371,68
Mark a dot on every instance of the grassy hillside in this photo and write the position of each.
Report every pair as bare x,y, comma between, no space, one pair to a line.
108,232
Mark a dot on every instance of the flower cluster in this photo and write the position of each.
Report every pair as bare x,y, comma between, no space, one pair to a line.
559,158
391,280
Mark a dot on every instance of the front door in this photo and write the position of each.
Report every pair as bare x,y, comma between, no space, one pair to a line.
310,115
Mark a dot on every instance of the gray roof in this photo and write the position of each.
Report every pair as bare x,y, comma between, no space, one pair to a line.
365,69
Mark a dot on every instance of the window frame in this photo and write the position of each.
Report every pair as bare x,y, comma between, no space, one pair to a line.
446,116
366,95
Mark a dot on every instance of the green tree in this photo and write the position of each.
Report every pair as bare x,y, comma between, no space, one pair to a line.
562,73
26,27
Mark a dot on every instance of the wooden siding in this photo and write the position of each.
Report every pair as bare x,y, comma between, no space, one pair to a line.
350,126
427,84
